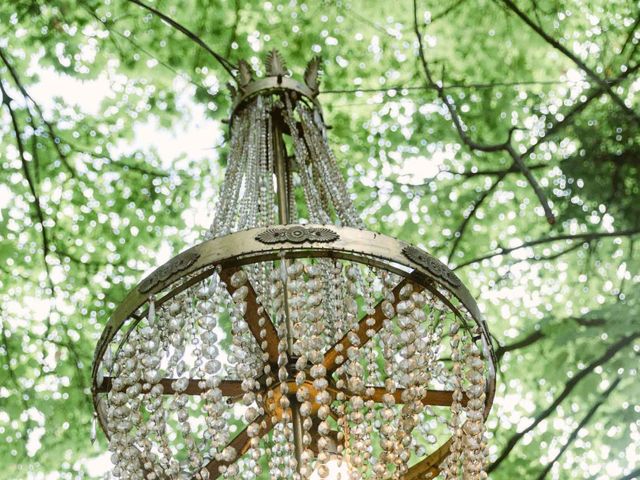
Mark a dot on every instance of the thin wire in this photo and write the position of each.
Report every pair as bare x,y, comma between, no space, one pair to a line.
226,64
453,85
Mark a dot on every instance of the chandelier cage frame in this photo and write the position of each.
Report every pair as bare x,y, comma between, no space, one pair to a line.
223,258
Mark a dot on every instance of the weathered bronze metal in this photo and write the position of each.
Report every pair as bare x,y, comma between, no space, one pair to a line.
175,265
297,234
276,81
432,264
243,248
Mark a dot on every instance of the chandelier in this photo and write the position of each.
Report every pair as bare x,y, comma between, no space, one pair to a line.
293,343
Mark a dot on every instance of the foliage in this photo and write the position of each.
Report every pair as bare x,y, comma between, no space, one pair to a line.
84,207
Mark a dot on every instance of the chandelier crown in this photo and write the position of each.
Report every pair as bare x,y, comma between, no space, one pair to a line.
277,78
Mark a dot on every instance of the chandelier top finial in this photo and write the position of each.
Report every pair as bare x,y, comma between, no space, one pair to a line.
275,64
277,78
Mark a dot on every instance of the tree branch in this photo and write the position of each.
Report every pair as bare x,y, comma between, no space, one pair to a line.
538,335
234,29
447,11
530,339
12,373
461,129
474,208
6,100
496,172
106,25
568,388
228,66
570,55
55,139
632,475
574,434
591,95
556,238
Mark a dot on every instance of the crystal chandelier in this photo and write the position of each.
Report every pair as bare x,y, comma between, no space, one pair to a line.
292,342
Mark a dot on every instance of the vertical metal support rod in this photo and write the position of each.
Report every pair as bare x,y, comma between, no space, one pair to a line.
281,169
282,175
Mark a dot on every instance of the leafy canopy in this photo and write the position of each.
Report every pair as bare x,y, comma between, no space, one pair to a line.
91,197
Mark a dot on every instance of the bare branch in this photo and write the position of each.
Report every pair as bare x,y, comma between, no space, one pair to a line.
234,30
568,388
631,35
575,110
6,100
106,25
447,11
632,475
530,339
55,139
461,129
12,373
498,172
228,66
474,208
570,55
574,434
538,335
585,237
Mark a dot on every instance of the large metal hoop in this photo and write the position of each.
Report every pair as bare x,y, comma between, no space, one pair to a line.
303,241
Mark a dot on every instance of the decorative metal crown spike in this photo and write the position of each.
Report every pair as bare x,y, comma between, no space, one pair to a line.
312,74
245,74
275,66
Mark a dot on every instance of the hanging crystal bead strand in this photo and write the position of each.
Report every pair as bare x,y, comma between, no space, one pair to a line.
371,374
474,425
311,321
230,187
318,371
247,374
180,330
326,163
430,331
210,368
248,204
154,427
214,407
451,466
317,214
120,414
283,404
355,373
414,366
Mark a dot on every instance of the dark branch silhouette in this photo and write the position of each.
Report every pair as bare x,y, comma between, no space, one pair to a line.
570,55
568,388
6,100
585,237
530,339
228,66
461,128
574,434
55,139
632,475
474,208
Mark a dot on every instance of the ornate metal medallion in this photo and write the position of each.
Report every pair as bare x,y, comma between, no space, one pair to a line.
432,265
175,265
297,234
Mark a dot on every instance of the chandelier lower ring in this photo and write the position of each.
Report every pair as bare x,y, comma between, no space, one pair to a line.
226,255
